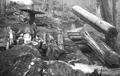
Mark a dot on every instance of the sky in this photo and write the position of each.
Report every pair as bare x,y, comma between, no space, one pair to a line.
26,2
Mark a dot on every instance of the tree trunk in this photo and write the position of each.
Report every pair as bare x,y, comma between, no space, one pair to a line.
114,12
103,52
98,8
106,11
110,16
2,6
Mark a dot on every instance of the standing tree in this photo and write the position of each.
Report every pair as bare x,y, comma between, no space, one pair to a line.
114,12
104,11
2,6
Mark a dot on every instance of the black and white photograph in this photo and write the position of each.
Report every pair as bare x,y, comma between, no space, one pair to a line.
59,38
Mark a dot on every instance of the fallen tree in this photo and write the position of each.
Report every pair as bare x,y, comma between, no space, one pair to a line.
97,23
103,52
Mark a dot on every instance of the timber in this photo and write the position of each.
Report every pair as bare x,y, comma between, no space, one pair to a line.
103,52
97,23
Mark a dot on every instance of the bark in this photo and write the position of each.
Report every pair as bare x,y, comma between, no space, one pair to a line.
110,16
98,9
114,12
103,52
106,11
3,6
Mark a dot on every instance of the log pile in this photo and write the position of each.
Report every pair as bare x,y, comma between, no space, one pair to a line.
106,55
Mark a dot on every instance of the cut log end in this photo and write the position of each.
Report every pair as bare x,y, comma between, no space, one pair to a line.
112,32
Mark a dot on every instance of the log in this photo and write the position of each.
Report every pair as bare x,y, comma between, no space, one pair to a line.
97,23
103,52
75,34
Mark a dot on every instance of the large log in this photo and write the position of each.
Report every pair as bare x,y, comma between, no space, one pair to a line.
97,23
103,52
